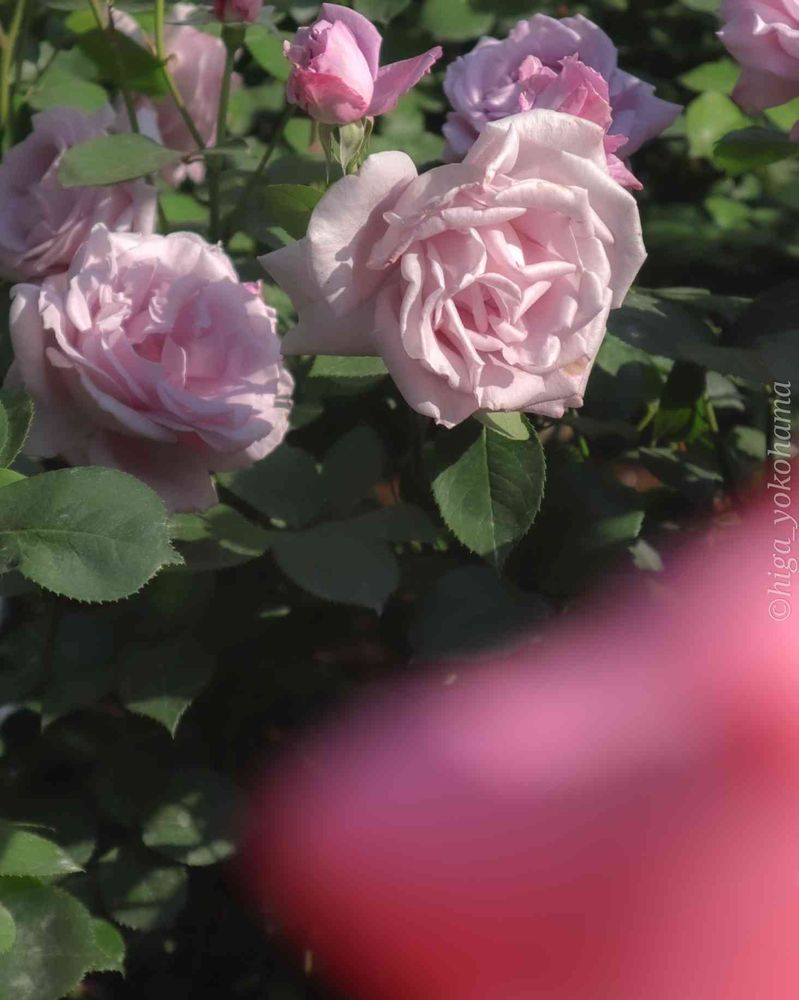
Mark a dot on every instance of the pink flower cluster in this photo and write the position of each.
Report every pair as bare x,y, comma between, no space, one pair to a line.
484,284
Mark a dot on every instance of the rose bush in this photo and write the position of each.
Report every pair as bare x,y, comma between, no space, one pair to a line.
427,428
148,355
484,285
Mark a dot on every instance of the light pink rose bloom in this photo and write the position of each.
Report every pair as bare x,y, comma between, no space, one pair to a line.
763,36
237,11
41,223
502,77
197,63
150,356
484,285
337,77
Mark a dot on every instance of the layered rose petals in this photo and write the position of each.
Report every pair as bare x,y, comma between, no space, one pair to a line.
42,223
567,65
484,285
149,355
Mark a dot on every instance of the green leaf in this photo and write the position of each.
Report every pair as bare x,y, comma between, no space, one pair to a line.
383,11
8,476
692,473
8,930
54,944
666,329
718,76
110,159
139,890
400,523
26,853
351,468
88,533
509,425
82,666
750,148
339,562
109,948
334,366
707,118
266,48
288,206
160,682
679,402
123,62
193,818
488,487
71,92
15,422
284,485
454,20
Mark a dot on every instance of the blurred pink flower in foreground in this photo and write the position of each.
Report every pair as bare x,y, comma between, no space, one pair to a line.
337,77
612,813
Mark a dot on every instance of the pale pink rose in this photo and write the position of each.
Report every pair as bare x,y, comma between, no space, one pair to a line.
150,356
41,223
502,77
337,77
763,36
237,11
485,284
197,63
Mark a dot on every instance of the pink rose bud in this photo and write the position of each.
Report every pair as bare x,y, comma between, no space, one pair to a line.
41,223
763,35
567,65
150,356
237,11
337,77
483,285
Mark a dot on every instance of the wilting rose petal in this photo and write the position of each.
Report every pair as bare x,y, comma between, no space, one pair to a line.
484,285
42,223
149,355
610,812
336,76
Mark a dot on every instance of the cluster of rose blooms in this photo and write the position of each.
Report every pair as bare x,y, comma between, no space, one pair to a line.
484,283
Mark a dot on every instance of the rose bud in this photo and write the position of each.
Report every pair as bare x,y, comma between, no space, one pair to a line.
336,77
611,811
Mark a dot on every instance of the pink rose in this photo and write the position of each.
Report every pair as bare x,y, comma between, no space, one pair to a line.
237,11
611,813
526,70
337,76
197,63
484,285
763,35
150,356
41,223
